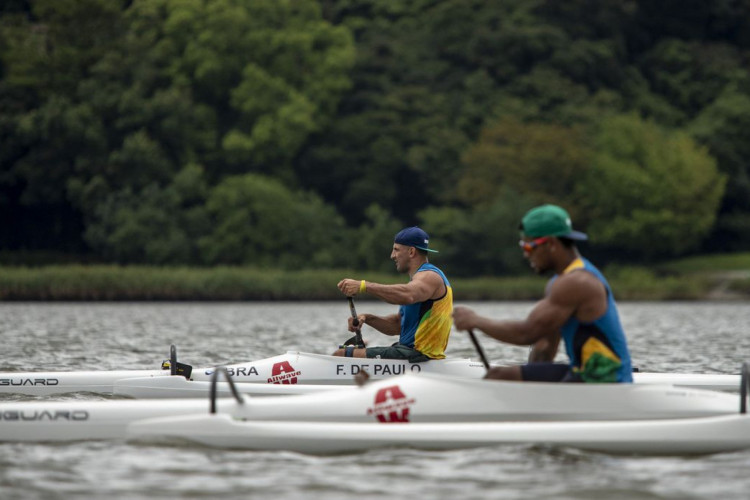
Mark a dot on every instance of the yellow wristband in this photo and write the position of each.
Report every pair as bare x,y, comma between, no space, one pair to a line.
362,286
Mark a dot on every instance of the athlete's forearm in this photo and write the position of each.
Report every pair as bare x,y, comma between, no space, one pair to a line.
511,332
544,350
388,325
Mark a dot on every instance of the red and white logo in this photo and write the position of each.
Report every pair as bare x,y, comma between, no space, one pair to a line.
283,373
391,405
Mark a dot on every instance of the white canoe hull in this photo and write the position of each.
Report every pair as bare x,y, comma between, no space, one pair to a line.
77,420
48,383
709,381
292,368
178,387
286,373
407,399
435,398
652,437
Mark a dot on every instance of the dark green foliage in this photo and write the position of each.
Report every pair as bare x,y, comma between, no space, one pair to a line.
725,127
255,220
305,133
648,192
480,241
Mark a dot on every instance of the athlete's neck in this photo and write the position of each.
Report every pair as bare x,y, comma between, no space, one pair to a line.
415,267
571,255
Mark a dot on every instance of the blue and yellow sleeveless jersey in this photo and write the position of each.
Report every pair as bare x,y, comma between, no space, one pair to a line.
426,326
598,351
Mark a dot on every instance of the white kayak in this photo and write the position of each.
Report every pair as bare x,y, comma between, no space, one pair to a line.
697,435
437,398
76,420
709,381
179,387
410,398
285,373
629,419
292,368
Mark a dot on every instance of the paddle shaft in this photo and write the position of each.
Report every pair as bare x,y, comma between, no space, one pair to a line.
479,349
355,322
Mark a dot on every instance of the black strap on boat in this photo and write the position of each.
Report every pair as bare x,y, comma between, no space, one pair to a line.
744,381
172,360
232,386
174,367
479,349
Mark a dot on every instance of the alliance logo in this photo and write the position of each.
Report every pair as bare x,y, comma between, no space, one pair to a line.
283,373
391,405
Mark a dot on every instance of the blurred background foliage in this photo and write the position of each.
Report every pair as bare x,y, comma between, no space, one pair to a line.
305,133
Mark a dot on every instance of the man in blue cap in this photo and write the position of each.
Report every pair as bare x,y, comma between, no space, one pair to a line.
578,307
423,322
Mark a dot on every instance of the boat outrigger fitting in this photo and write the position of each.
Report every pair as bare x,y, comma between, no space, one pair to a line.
174,367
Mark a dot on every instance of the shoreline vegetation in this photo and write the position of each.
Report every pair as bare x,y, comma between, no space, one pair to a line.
702,278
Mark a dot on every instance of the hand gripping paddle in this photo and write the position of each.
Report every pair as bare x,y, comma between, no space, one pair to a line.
356,340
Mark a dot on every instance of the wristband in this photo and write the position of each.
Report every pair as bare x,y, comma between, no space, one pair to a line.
362,286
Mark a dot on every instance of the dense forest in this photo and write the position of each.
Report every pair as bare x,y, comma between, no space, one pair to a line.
305,133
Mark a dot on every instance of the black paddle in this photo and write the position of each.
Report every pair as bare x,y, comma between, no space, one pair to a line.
479,349
356,340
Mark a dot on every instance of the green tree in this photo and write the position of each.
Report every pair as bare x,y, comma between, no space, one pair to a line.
426,77
480,240
155,225
724,126
373,240
119,97
542,161
47,49
690,75
649,192
256,220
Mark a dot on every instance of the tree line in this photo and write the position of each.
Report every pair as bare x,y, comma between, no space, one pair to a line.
305,133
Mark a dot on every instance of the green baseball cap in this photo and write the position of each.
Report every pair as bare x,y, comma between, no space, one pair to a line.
549,220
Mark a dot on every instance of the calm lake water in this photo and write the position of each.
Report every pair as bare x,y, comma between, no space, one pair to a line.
666,337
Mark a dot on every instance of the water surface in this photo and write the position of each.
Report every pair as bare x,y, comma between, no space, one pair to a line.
667,337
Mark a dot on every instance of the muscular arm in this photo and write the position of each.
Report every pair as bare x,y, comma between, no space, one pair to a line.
545,319
545,350
569,294
423,286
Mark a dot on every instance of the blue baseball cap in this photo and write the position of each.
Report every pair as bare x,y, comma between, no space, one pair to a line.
413,237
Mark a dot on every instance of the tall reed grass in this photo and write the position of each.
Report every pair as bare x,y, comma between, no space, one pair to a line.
105,282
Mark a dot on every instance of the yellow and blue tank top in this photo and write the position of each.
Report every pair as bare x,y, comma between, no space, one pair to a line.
426,326
598,351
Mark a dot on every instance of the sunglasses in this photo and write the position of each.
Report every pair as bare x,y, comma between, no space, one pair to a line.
528,246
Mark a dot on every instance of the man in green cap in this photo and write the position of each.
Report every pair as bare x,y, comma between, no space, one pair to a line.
578,307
